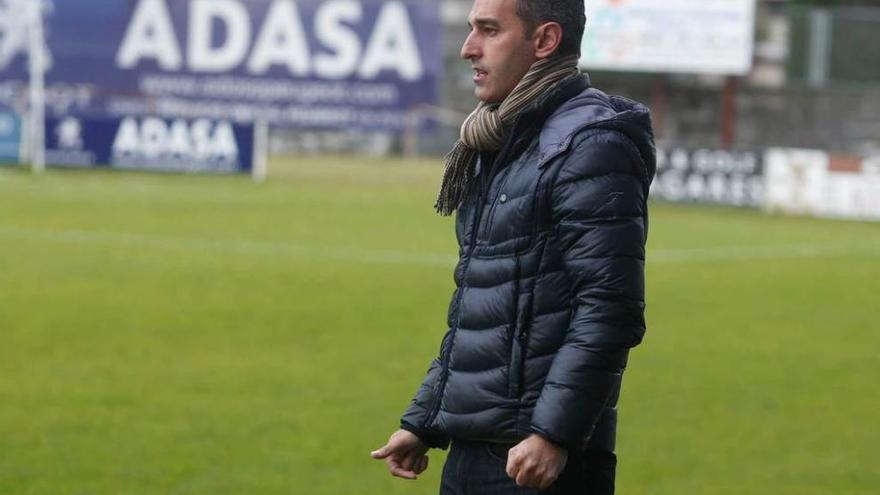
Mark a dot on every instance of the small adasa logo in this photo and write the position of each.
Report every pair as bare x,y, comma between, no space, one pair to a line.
157,138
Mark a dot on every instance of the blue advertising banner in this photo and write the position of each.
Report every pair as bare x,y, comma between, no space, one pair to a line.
10,136
150,143
317,64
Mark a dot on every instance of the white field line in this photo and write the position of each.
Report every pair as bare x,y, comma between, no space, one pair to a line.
226,246
392,257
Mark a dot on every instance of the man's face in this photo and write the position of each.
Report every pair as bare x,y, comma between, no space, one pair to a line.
497,49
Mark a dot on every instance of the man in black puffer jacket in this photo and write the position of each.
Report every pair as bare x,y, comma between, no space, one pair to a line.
549,184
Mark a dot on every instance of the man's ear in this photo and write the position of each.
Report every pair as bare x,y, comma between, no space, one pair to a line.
546,39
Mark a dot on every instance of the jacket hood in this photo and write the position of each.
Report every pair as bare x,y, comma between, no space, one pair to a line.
592,108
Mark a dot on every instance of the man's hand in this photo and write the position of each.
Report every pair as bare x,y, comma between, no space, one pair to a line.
405,455
536,462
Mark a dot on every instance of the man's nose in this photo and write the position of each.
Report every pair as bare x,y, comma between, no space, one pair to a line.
470,50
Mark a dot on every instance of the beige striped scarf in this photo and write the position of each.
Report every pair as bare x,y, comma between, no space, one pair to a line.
487,127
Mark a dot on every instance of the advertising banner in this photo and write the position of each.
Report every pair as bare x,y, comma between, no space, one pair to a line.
317,64
813,182
10,135
150,143
686,36
710,176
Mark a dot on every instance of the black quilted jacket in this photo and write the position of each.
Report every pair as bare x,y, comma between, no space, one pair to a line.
550,282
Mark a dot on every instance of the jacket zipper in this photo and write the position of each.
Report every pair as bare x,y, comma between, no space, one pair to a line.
444,362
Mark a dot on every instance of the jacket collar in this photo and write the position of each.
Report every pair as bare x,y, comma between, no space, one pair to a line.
528,124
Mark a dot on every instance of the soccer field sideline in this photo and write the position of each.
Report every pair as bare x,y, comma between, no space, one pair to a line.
351,254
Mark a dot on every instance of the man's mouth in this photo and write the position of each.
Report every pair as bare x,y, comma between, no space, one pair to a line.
479,75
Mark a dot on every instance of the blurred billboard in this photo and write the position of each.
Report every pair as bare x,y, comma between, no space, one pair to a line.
331,64
705,37
10,135
710,176
151,143
780,180
817,183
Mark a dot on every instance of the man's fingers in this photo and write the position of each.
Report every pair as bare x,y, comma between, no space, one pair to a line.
421,465
402,473
381,452
512,468
398,470
528,476
521,478
409,462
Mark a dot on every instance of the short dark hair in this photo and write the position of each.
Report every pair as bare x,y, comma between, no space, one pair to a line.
568,13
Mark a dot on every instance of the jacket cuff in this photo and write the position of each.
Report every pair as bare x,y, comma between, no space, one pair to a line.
432,438
554,439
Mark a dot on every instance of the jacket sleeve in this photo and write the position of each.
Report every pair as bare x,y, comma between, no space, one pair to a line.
598,206
414,417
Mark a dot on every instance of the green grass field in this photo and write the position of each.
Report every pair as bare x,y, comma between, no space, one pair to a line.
171,334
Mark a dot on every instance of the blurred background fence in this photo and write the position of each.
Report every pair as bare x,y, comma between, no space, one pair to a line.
814,83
